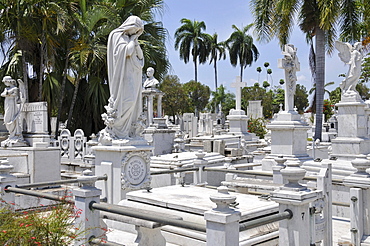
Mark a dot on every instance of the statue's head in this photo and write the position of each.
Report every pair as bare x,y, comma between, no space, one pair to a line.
150,72
358,45
133,25
8,80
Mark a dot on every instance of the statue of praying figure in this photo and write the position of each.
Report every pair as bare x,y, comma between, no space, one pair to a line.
351,55
14,100
125,62
150,82
291,65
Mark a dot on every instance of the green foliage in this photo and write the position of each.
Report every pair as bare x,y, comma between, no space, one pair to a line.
335,95
328,109
222,98
301,98
281,81
175,100
198,95
265,84
363,90
51,227
190,39
257,126
241,48
365,76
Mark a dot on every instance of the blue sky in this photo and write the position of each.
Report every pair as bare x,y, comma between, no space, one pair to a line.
219,16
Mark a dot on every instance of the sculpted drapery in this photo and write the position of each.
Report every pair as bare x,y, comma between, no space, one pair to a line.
125,63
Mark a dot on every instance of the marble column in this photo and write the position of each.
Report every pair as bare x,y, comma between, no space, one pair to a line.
159,106
150,109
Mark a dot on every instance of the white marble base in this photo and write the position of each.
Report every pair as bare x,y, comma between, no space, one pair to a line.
127,168
42,164
238,124
161,139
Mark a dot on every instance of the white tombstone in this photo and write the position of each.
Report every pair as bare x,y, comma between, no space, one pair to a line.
288,130
190,123
255,109
35,123
238,121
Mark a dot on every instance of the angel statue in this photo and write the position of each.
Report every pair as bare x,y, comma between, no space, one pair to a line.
13,104
353,57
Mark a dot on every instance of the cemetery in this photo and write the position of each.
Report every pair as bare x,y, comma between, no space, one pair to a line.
146,178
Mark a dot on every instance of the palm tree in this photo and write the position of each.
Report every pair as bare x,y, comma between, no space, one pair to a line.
241,48
217,51
189,38
316,18
88,51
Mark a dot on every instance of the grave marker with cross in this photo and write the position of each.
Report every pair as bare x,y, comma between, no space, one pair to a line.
238,84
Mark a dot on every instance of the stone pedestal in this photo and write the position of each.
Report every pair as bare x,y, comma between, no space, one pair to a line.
34,119
295,198
160,137
359,183
238,124
127,168
40,164
288,139
223,221
353,138
150,94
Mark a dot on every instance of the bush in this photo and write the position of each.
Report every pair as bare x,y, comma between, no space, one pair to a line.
257,126
53,226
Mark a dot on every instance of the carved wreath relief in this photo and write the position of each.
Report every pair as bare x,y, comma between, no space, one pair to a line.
135,170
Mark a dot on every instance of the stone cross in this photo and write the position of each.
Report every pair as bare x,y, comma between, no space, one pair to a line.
238,84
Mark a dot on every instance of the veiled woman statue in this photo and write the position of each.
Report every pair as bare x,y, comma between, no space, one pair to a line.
125,63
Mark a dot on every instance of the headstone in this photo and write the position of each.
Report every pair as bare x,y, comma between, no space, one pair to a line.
190,124
206,123
288,130
35,123
238,121
255,109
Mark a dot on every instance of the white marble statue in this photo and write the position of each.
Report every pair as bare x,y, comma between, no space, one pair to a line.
351,55
150,82
14,100
291,65
125,62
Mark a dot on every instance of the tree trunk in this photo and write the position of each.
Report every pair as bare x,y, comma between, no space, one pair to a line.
215,67
41,74
73,102
196,70
61,97
320,80
241,74
25,75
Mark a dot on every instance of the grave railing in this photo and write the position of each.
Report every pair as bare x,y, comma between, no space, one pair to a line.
87,202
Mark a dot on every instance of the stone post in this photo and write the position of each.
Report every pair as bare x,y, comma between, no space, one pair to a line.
87,219
150,109
200,177
359,183
229,166
159,106
277,176
6,179
222,222
296,198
